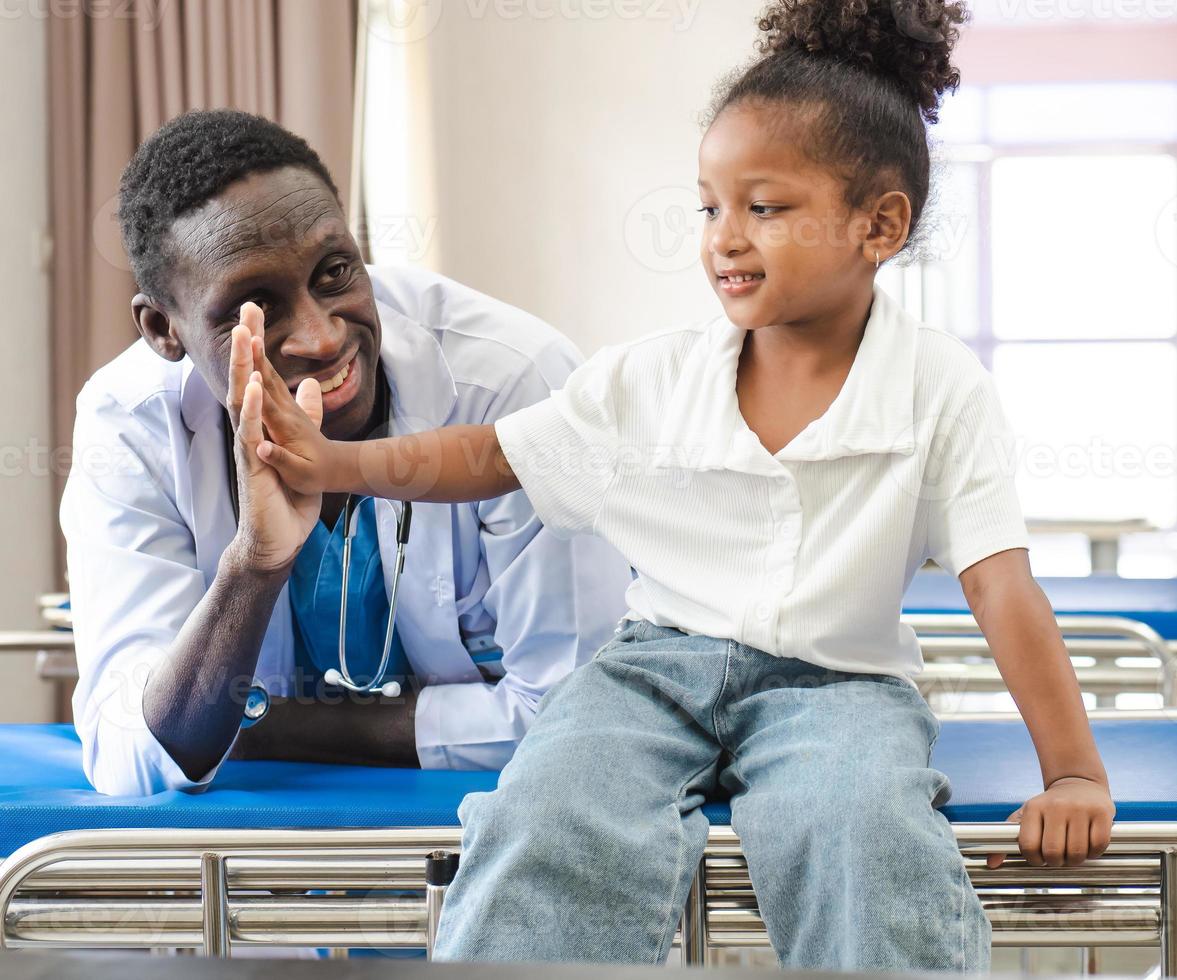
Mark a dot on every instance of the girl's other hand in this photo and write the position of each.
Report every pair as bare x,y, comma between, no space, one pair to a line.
1066,824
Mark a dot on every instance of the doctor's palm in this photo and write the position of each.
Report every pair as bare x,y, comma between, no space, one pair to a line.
275,519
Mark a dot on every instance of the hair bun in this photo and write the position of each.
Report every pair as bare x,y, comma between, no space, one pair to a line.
907,40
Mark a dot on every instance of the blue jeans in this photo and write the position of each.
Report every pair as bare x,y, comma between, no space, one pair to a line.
587,848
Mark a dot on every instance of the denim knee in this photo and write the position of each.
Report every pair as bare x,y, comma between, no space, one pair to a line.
896,803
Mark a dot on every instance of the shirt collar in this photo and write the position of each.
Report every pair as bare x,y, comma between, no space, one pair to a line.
873,413
422,385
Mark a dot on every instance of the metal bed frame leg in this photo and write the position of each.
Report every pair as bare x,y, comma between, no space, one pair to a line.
694,921
1089,956
214,904
1169,913
440,869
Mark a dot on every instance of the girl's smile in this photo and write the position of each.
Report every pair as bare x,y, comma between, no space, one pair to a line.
737,283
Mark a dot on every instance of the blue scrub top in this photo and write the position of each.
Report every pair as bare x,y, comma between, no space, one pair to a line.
315,585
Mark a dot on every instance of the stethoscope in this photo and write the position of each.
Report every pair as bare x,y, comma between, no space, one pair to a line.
341,677
257,702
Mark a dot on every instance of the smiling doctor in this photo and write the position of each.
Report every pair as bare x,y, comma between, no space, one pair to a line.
195,575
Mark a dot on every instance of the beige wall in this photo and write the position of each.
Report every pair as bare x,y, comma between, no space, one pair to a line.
563,145
27,524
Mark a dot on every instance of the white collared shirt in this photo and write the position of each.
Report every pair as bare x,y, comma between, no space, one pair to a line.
806,553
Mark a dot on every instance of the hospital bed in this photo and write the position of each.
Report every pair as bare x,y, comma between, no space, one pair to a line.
238,864
290,854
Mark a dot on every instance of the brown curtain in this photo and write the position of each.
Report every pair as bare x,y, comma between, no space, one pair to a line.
119,71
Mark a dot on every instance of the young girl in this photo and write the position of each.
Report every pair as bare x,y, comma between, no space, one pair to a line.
775,477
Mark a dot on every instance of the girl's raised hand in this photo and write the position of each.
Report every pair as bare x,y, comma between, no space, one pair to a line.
295,447
288,418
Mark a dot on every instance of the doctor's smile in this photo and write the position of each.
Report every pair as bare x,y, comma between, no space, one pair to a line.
339,387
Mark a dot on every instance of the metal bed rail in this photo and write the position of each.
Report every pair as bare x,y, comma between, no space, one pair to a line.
212,890
960,627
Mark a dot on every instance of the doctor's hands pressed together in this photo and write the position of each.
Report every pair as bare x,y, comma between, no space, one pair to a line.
274,523
275,519
220,642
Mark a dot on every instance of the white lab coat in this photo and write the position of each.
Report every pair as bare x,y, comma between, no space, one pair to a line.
147,514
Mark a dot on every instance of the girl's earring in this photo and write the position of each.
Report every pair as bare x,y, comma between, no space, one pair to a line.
876,261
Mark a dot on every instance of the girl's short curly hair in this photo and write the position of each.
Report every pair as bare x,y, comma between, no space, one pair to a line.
183,164
867,76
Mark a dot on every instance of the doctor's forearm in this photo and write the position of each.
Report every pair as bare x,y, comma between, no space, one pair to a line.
450,465
194,699
368,730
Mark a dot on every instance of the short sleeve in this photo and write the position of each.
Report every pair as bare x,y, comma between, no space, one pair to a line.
564,449
973,507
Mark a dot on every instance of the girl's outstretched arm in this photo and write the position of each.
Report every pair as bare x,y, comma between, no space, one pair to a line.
448,465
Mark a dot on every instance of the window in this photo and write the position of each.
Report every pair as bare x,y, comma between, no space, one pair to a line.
1053,253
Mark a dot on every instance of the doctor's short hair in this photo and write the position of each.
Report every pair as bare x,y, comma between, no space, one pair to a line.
865,77
183,164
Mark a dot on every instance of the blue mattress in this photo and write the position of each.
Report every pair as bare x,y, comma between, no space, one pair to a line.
1150,600
991,765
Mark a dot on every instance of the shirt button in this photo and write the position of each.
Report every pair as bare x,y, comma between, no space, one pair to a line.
762,611
777,580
